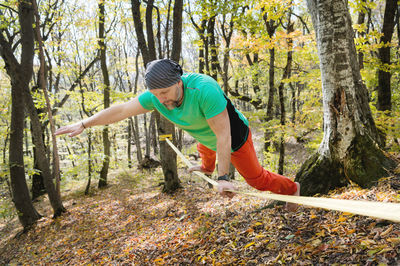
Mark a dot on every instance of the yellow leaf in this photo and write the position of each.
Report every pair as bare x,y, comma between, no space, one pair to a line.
81,251
260,236
257,223
316,242
159,260
385,250
387,231
368,242
351,231
395,240
249,244
341,219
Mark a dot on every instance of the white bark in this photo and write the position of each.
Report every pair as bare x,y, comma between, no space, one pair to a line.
345,101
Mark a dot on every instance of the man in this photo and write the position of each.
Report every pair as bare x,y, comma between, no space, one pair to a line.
197,104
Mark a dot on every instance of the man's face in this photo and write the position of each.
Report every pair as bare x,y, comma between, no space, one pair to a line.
170,96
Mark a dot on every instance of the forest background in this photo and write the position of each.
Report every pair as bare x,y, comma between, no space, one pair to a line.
88,56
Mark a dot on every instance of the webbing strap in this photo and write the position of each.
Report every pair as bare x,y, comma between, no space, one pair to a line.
382,210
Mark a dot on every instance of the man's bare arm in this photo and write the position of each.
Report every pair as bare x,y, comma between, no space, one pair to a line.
107,116
220,125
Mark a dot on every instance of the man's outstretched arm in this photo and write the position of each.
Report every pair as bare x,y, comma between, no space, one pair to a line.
107,116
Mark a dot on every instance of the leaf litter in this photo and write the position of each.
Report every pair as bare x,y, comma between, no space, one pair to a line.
129,223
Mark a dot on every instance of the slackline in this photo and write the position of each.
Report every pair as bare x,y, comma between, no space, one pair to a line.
381,210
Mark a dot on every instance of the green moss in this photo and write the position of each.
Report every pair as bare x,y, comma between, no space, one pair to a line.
365,163
319,175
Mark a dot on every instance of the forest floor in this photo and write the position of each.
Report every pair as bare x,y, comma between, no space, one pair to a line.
132,222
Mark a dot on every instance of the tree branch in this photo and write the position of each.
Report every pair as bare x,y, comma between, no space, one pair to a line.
12,9
256,103
73,86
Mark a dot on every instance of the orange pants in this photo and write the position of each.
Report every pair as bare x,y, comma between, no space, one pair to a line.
246,162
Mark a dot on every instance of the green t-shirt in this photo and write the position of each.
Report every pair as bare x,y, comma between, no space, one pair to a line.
203,99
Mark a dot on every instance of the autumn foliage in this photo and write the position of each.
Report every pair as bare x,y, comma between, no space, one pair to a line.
133,222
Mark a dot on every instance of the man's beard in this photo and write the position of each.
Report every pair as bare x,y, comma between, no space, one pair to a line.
173,104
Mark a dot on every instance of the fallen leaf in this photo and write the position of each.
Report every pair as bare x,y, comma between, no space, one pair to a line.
249,244
387,231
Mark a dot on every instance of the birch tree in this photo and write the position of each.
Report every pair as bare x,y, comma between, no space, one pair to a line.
350,146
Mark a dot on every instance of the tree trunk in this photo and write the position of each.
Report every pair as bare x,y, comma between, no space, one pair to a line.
271,28
147,130
286,74
104,70
177,31
384,75
349,149
5,144
168,163
168,156
293,103
52,190
38,189
153,132
270,104
129,142
89,162
135,130
361,20
201,31
20,74
42,157
213,47
21,198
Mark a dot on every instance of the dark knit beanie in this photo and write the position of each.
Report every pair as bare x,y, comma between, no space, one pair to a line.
162,73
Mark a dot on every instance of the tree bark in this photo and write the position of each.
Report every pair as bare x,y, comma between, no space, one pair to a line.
53,191
137,20
286,74
38,189
349,149
213,48
384,75
42,158
135,130
361,20
129,142
171,179
89,163
177,31
147,130
89,149
106,80
200,29
168,156
21,198
20,74
271,26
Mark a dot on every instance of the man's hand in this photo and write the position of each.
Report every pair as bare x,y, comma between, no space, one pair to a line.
223,186
73,130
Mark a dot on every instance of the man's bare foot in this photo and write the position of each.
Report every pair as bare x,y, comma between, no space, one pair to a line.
198,168
293,206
